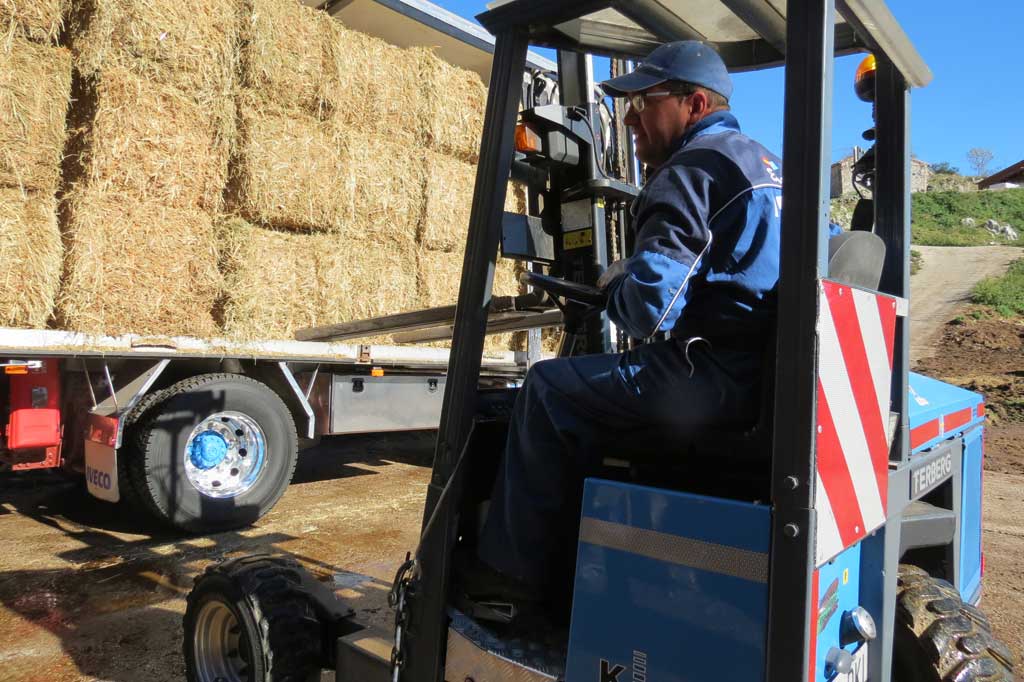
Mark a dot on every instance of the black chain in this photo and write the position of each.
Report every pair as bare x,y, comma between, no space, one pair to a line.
397,600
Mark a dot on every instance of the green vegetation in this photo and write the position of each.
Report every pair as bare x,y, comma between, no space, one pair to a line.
937,216
1004,294
915,261
945,168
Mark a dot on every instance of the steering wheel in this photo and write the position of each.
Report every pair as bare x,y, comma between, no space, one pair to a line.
581,293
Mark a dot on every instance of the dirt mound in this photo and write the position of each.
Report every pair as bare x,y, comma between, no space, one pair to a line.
977,331
983,353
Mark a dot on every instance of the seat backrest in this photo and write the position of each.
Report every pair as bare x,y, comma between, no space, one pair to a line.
856,259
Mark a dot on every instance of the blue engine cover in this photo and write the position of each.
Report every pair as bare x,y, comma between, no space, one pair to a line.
970,517
835,591
938,411
669,587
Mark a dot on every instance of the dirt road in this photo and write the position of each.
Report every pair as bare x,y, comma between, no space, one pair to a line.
944,282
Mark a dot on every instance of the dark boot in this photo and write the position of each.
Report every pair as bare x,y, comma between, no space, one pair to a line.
486,594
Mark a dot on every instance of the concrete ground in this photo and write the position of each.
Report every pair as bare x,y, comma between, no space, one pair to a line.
86,594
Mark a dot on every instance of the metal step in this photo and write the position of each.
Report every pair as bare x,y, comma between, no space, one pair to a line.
480,652
925,525
364,656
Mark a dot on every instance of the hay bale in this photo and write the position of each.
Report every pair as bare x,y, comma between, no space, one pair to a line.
389,184
270,281
30,250
291,170
516,200
288,54
188,44
451,113
149,141
294,172
449,199
440,272
39,20
276,282
362,279
35,88
376,87
137,267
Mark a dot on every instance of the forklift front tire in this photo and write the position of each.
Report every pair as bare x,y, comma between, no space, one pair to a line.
249,620
939,638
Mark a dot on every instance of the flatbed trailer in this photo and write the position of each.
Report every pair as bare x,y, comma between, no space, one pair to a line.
204,433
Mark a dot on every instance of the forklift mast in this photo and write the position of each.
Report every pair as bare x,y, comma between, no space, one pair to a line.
805,41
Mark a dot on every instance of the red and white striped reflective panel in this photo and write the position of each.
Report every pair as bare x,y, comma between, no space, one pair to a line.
855,337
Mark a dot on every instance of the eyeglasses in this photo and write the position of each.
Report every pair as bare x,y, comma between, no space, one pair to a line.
638,100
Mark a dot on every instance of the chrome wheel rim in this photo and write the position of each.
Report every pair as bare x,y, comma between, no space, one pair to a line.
220,650
224,455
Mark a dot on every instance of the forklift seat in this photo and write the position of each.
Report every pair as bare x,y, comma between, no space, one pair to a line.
735,461
856,258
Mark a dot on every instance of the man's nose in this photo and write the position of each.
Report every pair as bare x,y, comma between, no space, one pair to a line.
631,118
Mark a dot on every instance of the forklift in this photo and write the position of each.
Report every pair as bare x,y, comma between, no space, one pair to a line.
836,539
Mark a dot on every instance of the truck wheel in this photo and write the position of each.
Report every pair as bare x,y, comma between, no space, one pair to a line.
248,620
212,452
939,638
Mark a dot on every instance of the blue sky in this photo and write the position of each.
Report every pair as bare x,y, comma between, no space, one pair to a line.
975,100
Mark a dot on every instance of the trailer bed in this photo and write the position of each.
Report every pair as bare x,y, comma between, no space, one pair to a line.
55,343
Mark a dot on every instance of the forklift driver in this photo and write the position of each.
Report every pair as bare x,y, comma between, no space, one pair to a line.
705,269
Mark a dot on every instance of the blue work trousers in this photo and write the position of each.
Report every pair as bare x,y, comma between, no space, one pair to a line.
571,413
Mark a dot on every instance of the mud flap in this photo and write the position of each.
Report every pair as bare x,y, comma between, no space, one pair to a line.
101,458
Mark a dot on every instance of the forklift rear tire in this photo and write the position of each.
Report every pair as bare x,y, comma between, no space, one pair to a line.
249,620
939,638
210,453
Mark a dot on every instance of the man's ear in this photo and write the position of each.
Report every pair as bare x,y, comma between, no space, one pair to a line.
699,106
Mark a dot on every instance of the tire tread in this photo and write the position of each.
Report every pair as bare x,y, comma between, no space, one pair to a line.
290,633
950,641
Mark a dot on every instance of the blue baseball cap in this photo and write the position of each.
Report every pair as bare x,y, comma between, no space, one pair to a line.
690,61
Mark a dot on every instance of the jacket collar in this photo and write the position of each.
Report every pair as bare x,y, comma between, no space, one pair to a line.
718,122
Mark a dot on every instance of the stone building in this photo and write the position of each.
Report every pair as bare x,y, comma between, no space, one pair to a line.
842,175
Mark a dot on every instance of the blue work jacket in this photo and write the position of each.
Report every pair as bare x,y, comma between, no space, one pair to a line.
706,261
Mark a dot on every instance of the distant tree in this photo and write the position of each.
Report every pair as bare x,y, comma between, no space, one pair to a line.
980,159
944,168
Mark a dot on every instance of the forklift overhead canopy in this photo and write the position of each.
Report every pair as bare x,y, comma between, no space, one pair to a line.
749,34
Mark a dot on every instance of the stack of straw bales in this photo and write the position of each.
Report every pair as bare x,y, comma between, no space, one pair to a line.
319,179
151,132
35,86
228,167
341,137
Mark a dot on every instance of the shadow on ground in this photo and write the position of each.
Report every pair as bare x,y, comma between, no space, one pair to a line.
115,603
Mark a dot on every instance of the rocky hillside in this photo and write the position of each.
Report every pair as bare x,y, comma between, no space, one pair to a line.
954,218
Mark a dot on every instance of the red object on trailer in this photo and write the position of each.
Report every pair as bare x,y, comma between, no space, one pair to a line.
35,420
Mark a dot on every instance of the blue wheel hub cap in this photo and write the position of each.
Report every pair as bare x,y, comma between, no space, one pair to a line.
208,450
